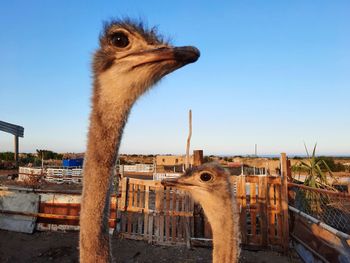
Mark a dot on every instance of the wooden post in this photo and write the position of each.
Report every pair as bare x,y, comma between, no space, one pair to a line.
189,140
284,202
289,171
197,157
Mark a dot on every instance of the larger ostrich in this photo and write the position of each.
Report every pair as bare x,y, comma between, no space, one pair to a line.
129,61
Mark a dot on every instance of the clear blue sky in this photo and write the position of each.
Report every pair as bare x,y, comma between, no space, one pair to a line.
275,73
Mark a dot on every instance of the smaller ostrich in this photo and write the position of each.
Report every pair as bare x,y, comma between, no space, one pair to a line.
210,186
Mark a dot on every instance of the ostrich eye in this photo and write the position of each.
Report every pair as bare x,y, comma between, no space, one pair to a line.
120,40
205,177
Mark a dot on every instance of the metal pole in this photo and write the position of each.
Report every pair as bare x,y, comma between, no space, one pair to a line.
16,149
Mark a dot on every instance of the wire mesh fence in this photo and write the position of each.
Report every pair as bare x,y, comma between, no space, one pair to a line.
332,208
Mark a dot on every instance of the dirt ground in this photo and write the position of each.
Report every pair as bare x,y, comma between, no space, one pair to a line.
63,247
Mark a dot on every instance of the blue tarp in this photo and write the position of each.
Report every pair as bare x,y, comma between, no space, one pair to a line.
73,162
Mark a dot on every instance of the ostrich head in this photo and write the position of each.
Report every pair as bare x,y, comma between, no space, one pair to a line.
205,183
131,59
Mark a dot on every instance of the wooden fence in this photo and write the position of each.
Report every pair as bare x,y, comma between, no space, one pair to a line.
149,211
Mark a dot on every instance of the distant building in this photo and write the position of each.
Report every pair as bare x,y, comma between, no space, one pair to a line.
234,164
171,160
171,163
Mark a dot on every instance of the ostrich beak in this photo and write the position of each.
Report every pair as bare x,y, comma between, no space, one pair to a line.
177,56
169,182
185,55
180,183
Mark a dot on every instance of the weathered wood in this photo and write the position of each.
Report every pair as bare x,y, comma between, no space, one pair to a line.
319,241
150,228
271,213
44,215
135,195
173,229
197,157
243,203
173,221
158,209
187,163
122,203
130,194
201,242
278,217
262,194
166,215
284,230
252,212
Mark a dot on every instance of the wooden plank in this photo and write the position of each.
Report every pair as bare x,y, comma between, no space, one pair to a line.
145,182
146,214
252,187
174,197
129,220
262,195
161,229
252,179
243,217
278,217
273,180
124,220
171,213
322,242
156,214
130,194
160,210
167,218
139,224
135,195
187,232
178,201
179,228
284,202
173,229
145,224
142,196
134,222
183,203
173,217
147,197
150,228
271,213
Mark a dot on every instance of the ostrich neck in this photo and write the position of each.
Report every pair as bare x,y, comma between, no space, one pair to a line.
107,122
223,217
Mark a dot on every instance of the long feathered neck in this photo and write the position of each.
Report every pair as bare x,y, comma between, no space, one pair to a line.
223,216
107,121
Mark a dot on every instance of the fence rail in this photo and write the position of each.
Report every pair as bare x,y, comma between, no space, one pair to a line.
54,175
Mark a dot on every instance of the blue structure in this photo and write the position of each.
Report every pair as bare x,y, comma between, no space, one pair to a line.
73,162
